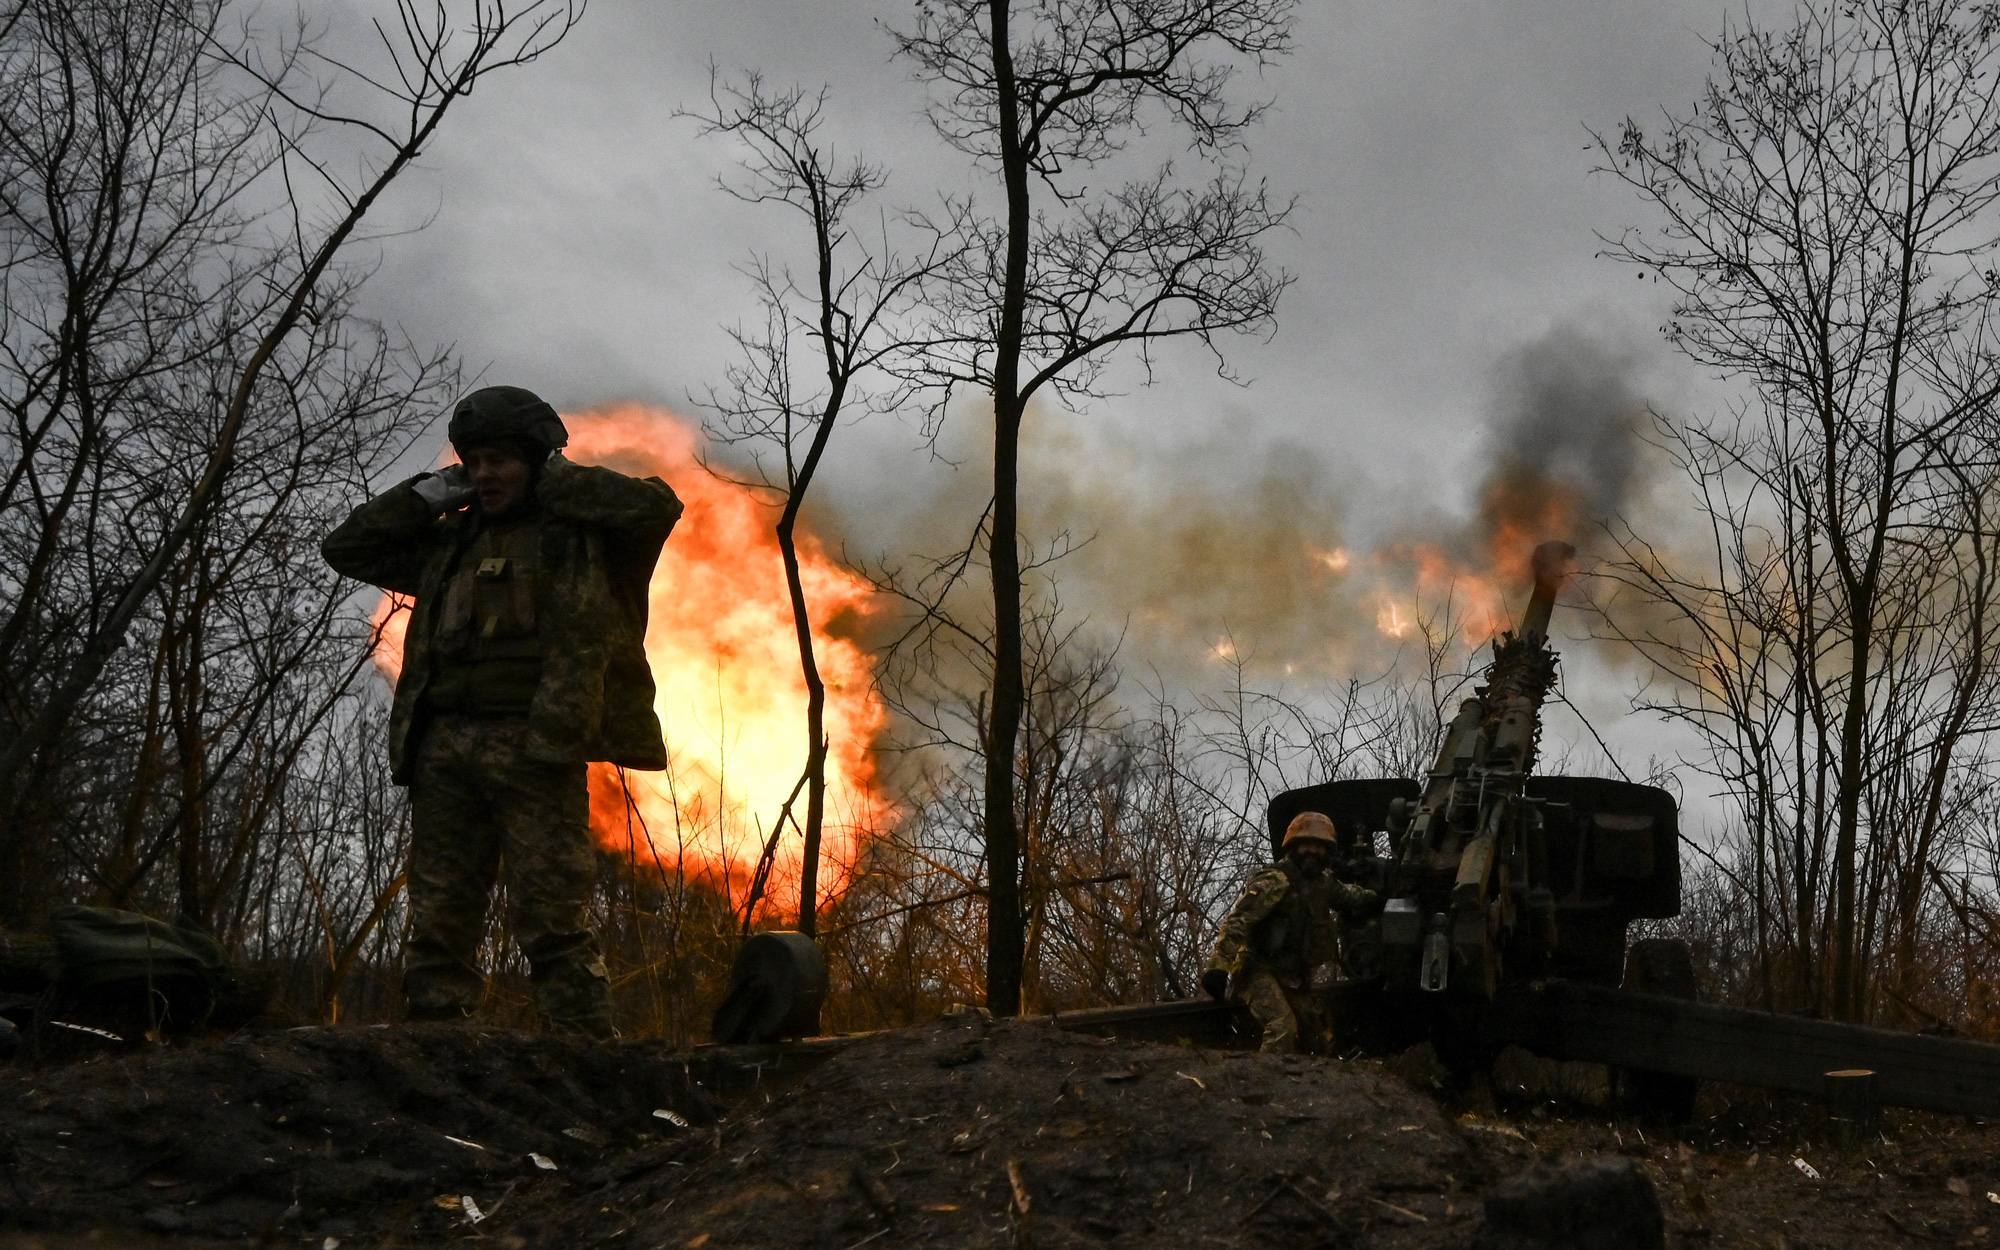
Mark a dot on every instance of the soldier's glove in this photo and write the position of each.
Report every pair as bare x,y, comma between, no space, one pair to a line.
446,489
1215,983
1360,896
1323,977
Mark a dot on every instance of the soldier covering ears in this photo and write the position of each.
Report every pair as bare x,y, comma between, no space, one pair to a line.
1279,946
524,660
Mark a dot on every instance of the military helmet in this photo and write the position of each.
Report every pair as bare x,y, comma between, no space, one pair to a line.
1310,827
506,414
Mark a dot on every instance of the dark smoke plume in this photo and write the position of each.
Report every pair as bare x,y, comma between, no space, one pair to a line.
1563,441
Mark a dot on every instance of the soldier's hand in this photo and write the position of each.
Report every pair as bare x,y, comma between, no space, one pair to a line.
1362,897
1215,983
448,488
1324,976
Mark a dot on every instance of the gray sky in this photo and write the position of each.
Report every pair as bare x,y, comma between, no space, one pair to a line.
1438,151
1446,222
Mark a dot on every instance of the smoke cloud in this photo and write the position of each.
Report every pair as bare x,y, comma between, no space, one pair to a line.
1561,456
1286,558
1564,422
1203,554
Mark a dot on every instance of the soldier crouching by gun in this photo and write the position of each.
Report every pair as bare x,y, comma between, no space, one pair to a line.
1279,949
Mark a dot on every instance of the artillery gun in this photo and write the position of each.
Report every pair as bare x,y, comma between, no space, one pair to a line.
1493,877
1504,900
1494,874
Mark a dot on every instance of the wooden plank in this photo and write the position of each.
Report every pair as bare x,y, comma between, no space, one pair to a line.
1200,1021
1603,1025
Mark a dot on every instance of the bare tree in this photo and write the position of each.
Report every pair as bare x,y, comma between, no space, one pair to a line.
145,140
1064,274
850,315
1826,219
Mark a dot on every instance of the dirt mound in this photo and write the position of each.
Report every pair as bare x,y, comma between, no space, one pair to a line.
322,1132
917,1138
1763,1171
958,1134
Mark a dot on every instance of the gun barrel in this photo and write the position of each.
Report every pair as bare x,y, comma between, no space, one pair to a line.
1551,562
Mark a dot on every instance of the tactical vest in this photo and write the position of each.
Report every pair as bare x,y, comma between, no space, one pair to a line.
1284,941
489,647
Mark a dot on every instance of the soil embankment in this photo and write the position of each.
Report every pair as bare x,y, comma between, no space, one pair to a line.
954,1134
348,1134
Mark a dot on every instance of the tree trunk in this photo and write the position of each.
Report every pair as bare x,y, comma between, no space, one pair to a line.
1004,935
815,720
1853,728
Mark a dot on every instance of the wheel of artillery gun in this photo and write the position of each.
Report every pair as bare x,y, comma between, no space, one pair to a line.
1463,1051
1661,966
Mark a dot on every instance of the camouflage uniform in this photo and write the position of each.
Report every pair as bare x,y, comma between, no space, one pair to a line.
483,804
601,533
510,684
1281,928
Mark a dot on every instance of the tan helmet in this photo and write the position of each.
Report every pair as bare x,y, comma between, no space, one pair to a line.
1310,827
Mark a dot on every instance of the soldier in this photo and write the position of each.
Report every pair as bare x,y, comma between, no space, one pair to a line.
524,659
1278,946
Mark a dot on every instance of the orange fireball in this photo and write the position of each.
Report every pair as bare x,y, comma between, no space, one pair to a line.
730,696
1519,509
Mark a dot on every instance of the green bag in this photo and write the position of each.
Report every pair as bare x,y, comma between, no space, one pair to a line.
100,945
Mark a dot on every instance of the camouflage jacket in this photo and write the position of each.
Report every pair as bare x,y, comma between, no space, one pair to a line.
1283,921
601,535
